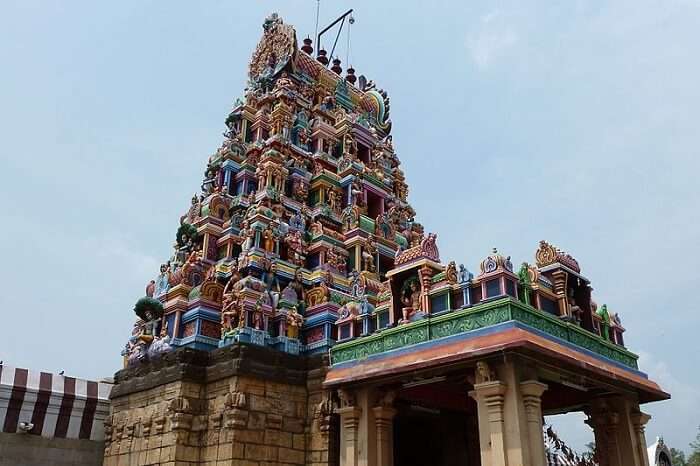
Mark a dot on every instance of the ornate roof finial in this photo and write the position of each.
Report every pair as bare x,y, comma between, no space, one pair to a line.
336,66
307,46
547,254
274,50
350,77
494,262
322,58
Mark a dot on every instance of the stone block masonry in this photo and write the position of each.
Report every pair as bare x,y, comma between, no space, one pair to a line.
240,405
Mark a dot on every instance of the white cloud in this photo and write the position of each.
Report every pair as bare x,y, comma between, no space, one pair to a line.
117,250
676,420
490,40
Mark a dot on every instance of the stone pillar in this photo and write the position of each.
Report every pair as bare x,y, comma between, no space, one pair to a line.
594,422
631,421
510,415
489,397
384,421
349,423
639,421
604,423
350,417
618,426
532,399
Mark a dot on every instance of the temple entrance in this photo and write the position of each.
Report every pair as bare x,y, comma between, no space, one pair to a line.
431,438
436,425
493,414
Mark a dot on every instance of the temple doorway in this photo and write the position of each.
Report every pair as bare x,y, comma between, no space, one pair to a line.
436,425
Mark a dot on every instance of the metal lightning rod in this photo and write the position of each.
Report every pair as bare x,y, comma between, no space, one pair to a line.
340,18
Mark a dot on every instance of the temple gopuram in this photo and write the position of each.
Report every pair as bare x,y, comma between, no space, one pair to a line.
307,318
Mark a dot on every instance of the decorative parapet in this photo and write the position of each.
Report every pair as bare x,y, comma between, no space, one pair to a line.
474,318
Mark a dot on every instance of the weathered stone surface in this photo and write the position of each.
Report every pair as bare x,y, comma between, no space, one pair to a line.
240,405
33,450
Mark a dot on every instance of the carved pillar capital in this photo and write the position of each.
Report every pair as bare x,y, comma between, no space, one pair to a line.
490,398
383,415
384,424
349,422
531,391
639,420
492,393
349,414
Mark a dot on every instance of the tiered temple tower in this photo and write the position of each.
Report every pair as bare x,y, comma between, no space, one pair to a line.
302,212
305,316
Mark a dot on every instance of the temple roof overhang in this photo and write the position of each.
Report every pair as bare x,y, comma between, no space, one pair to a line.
497,328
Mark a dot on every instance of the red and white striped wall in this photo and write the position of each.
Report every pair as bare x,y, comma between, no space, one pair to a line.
57,406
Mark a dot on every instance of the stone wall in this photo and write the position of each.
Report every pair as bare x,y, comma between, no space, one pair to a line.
33,450
240,405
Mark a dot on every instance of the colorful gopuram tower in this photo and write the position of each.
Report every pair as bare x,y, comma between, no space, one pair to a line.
305,317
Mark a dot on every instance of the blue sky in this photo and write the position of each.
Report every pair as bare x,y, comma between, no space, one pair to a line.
574,122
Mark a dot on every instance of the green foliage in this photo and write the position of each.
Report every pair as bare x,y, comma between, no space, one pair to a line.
694,457
695,445
678,458
148,308
185,232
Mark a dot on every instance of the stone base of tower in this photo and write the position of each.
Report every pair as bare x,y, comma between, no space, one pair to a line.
241,405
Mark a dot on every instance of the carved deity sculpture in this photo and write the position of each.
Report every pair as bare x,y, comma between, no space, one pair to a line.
296,247
163,280
383,226
464,275
356,196
451,272
284,83
193,213
410,299
336,259
248,236
294,322
303,138
268,239
300,190
332,199
369,252
161,343
258,316
230,314
483,373
316,227
416,234
573,307
349,147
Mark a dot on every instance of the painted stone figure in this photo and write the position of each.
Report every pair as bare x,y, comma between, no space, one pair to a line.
248,235
369,253
268,239
161,343
410,299
162,281
294,323
464,275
